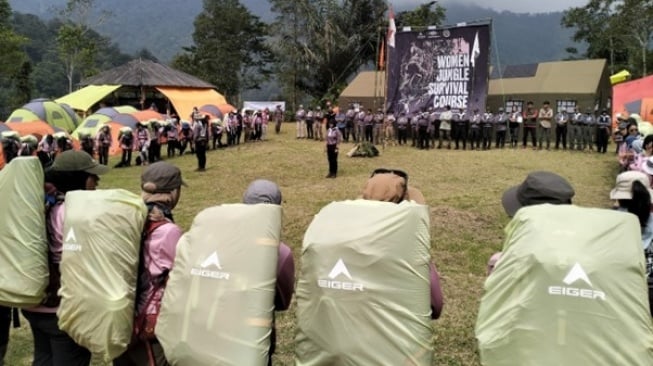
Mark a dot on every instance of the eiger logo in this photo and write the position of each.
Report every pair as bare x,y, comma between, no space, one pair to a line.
339,270
576,274
70,243
203,270
212,260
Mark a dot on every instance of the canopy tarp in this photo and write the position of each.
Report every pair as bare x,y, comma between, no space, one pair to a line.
148,115
184,99
84,98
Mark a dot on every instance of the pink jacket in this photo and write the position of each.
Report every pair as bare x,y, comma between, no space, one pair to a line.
159,255
285,278
54,222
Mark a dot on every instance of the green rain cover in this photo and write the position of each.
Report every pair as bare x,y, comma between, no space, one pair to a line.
23,241
99,268
363,296
218,304
570,289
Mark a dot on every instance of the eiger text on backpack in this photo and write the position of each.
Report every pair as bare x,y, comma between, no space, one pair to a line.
23,241
569,289
218,304
363,296
99,267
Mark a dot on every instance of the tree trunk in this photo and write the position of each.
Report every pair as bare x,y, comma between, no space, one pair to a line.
644,49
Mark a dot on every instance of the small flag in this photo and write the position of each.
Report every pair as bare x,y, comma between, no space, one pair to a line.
476,50
392,28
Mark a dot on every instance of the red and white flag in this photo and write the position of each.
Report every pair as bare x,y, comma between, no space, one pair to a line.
392,28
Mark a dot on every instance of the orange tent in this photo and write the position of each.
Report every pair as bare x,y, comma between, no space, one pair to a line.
36,128
226,108
147,115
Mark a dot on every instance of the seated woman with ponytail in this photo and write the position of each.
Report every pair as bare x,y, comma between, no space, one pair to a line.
631,194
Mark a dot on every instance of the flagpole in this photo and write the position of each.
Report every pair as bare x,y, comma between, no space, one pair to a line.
376,68
389,46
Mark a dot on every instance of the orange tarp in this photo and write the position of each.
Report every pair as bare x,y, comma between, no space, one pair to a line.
226,108
147,115
636,92
36,128
184,99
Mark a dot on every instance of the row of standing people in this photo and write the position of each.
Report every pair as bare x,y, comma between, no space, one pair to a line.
480,130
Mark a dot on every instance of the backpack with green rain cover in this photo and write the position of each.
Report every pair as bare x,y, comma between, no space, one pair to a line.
218,304
363,296
569,289
23,241
99,268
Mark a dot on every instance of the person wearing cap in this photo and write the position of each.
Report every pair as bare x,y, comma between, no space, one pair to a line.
632,193
603,124
300,118
539,187
263,191
530,125
161,184
350,129
391,185
501,125
310,117
369,126
545,116
360,125
562,119
71,170
378,126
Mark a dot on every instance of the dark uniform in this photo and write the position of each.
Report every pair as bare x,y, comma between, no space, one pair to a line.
475,130
423,127
486,124
460,129
501,125
603,132
402,129
562,120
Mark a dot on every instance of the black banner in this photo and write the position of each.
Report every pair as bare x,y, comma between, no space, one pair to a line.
439,67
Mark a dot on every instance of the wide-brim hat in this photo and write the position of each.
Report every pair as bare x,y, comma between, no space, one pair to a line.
623,189
76,160
391,187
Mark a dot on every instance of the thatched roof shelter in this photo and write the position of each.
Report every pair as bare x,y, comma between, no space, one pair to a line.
146,73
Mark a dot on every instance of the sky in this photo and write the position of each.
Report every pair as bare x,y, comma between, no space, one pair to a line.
516,6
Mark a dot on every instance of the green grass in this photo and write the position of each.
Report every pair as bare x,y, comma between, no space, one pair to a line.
463,189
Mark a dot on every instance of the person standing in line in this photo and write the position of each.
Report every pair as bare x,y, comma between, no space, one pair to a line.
588,129
501,123
86,142
172,133
201,138
603,126
341,122
267,192
414,128
445,127
349,124
278,119
422,130
240,126
317,124
126,141
475,130
360,125
310,117
369,126
434,126
389,136
515,120
300,117
265,120
402,129
258,125
530,125
577,121
562,119
378,126
461,120
486,125
161,184
103,143
333,139
545,116
71,171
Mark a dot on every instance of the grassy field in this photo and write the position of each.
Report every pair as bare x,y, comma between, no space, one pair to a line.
462,188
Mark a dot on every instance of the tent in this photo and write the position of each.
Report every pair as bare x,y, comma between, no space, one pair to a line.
143,80
211,109
84,99
45,110
148,115
112,111
36,128
226,108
